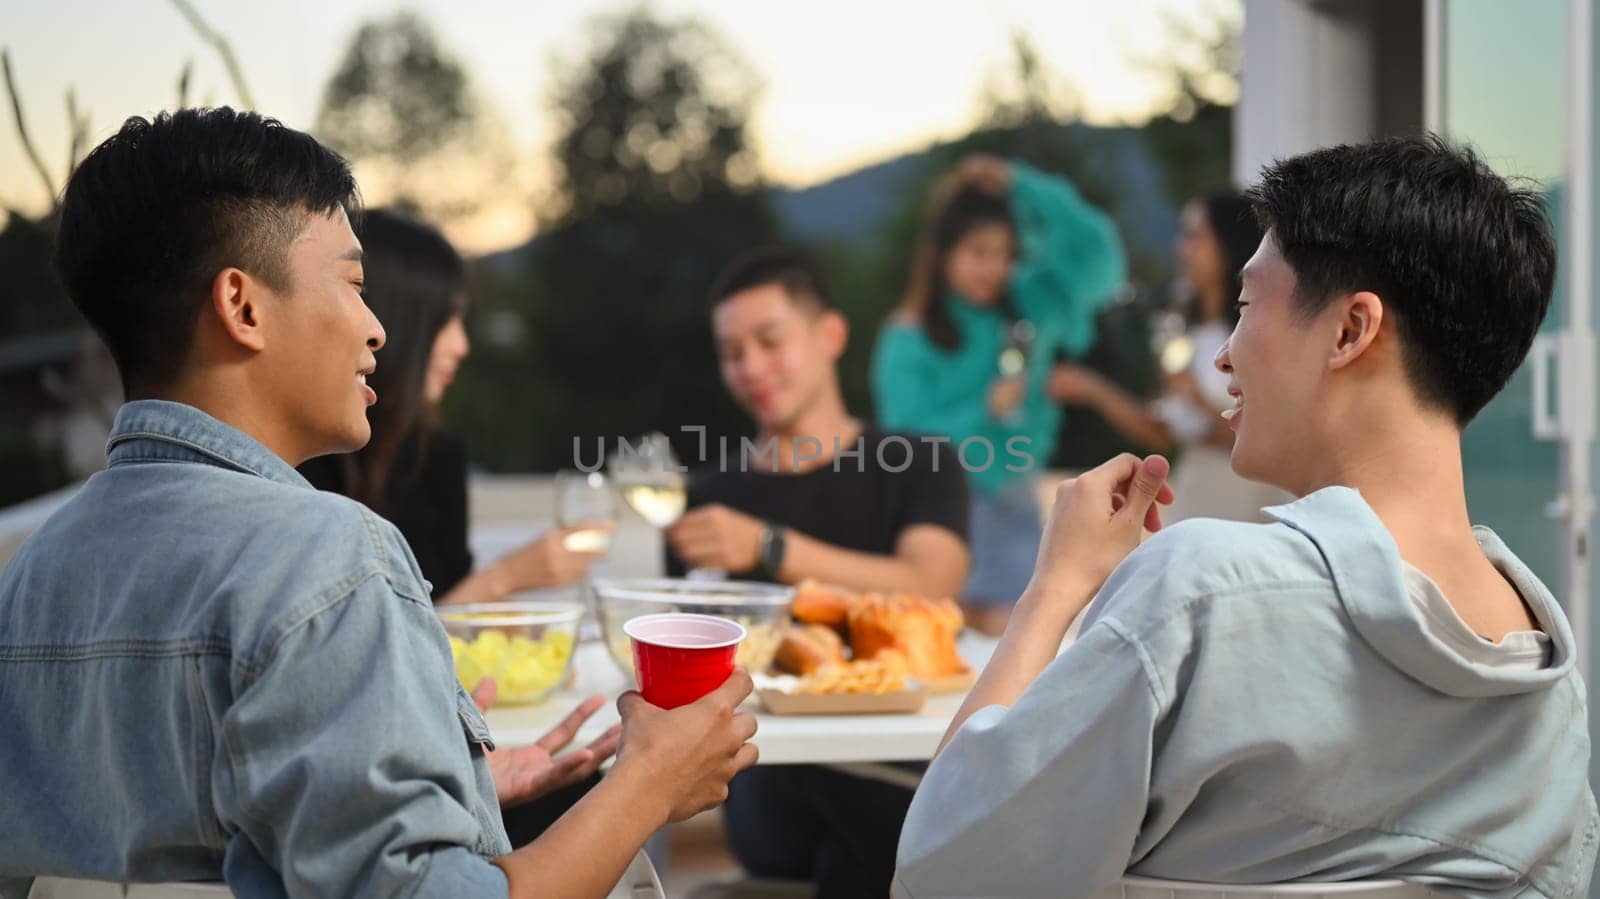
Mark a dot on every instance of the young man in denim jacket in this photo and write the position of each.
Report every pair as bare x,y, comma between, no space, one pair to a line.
1368,688
209,669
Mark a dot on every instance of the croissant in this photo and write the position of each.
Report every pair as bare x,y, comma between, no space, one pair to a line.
924,631
808,647
818,603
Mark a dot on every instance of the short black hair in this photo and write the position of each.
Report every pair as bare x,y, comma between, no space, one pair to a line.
1463,260
152,214
798,273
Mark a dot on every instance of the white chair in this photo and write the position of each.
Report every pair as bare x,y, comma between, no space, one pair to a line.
638,882
1131,887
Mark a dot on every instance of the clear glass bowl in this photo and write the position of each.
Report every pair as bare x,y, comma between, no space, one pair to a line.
763,609
525,645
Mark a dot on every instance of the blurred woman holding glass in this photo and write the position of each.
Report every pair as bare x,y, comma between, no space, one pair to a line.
1217,235
1013,268
412,471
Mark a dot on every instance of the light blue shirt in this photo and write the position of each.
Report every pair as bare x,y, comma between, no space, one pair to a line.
209,669
1255,703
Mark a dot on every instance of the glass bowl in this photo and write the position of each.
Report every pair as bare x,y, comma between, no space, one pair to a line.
763,609
525,645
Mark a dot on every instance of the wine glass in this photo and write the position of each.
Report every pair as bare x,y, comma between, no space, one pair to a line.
649,479
586,505
652,483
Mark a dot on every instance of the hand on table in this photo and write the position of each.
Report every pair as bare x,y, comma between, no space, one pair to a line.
686,756
524,773
715,536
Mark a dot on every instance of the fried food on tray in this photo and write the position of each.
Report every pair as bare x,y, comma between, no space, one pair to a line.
923,631
809,647
885,674
818,603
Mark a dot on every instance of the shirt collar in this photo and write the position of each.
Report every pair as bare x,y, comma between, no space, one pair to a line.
1365,565
159,429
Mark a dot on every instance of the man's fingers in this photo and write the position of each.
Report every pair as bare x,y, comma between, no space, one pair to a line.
562,733
734,689
631,703
605,746
1152,518
744,726
747,756
1144,486
484,694
570,765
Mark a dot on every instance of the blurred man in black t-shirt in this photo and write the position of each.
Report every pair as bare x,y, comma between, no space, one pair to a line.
816,494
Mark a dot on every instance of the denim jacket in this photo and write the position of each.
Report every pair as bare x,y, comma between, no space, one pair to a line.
1254,703
209,669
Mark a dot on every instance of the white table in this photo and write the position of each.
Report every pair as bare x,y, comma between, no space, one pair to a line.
783,740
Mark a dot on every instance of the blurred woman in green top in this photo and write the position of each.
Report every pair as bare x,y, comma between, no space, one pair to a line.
1013,267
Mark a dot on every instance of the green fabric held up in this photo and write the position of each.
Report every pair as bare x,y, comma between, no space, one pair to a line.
1072,263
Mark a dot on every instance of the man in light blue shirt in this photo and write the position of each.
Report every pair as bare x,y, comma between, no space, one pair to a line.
1369,687
209,669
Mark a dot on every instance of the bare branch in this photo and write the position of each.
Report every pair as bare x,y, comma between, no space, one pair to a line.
79,123
22,128
223,48
183,84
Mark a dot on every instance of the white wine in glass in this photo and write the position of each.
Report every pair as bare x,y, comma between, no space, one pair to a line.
585,502
659,500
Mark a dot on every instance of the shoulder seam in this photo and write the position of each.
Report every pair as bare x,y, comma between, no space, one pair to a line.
1152,677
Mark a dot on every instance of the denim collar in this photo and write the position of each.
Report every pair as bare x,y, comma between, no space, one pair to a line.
1366,568
159,430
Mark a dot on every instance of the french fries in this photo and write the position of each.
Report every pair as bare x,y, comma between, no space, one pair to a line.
886,673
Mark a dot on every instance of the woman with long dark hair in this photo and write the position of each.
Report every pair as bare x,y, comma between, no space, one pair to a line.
1217,235
1012,269
412,471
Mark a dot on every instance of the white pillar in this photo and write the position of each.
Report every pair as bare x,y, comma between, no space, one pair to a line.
1308,80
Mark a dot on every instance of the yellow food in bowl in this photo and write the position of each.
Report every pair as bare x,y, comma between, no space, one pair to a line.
523,669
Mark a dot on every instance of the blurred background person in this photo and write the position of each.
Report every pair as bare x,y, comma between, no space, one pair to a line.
413,472
885,518
1012,269
1217,235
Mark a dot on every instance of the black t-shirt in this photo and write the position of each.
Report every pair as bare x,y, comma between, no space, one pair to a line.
863,504
426,499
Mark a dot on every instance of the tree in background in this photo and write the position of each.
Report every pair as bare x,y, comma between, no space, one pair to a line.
401,107
600,328
1202,71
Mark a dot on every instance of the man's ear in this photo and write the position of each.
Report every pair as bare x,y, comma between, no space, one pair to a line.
1359,320
236,302
834,330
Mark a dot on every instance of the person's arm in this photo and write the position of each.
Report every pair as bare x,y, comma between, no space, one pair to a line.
671,766
1056,784
322,784
543,562
927,559
1073,261
1047,763
345,760
1098,518
1070,383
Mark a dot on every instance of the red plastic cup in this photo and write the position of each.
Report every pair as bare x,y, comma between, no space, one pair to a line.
679,657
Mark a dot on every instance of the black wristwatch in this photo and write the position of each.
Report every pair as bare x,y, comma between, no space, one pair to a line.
771,552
